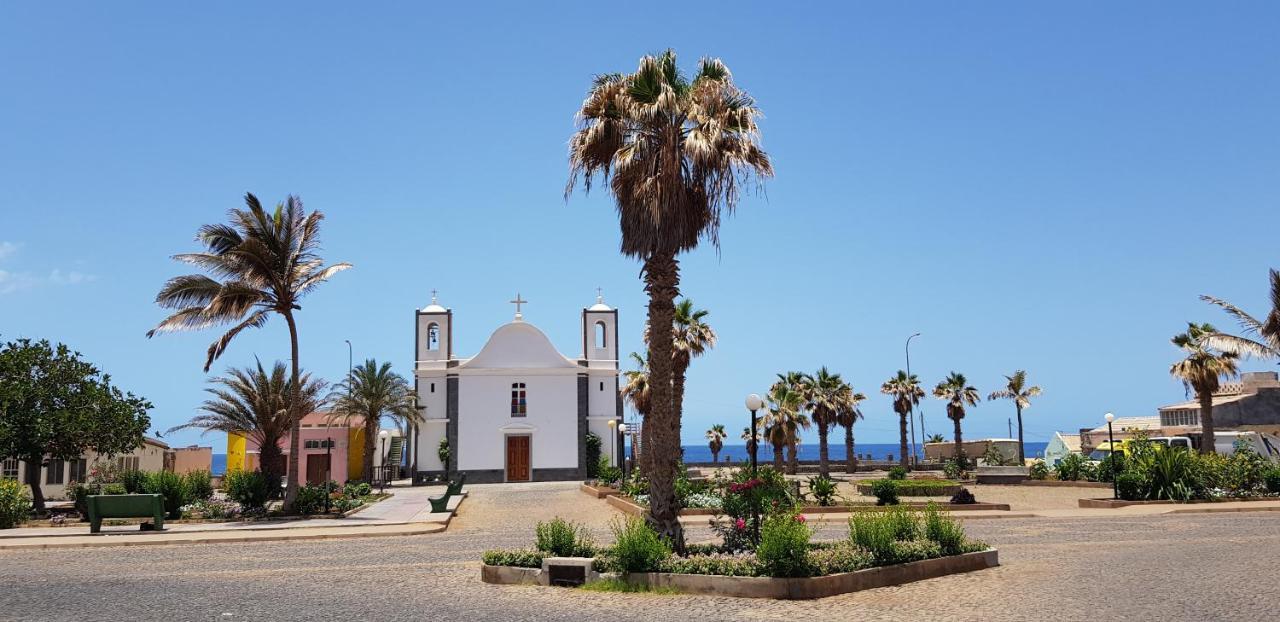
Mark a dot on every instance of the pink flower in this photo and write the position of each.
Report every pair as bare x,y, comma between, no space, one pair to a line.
799,518
740,524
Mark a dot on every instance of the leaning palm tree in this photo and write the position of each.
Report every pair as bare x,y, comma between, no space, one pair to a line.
958,394
827,395
846,415
1201,372
1266,343
636,392
255,403
262,263
906,393
675,152
1021,394
715,440
370,394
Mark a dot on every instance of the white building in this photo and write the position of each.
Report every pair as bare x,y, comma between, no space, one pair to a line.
519,410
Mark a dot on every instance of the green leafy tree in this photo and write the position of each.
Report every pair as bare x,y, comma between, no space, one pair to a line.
675,152
55,406
255,403
1021,394
906,393
957,393
262,263
1201,372
370,395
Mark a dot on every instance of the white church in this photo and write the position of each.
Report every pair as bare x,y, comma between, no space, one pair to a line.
519,410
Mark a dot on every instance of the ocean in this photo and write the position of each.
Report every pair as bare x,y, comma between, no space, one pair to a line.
808,451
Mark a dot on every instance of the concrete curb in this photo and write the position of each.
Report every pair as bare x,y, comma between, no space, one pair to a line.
232,536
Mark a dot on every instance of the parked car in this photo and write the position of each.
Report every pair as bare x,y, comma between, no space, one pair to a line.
1104,448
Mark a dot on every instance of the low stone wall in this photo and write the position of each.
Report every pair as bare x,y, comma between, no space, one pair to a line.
1108,504
1064,484
768,587
629,506
599,492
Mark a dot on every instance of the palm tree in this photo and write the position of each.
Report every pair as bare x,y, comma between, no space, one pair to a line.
783,421
691,337
266,262
906,393
676,153
715,440
255,403
636,392
371,393
801,385
957,393
827,395
1201,372
1267,344
936,438
1018,391
847,415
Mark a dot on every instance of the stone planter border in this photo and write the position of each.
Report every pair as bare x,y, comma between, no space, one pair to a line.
629,506
768,587
599,492
941,490
1110,504
1064,483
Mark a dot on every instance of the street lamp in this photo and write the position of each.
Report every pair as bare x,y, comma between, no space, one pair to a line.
382,436
911,413
328,471
622,439
1111,437
754,403
613,440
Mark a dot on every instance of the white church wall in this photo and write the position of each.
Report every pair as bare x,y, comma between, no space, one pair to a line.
602,395
600,427
484,409
428,445
432,397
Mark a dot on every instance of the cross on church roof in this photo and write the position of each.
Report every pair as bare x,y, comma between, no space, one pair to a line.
517,302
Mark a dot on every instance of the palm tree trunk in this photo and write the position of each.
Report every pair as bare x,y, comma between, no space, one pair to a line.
902,439
269,463
777,458
1022,452
1207,437
33,464
793,464
959,442
823,469
370,443
851,462
662,278
295,425
715,455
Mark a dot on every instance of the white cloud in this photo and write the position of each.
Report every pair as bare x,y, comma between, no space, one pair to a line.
73,277
7,249
14,281
11,282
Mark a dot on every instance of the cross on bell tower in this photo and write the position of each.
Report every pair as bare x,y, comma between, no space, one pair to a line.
517,302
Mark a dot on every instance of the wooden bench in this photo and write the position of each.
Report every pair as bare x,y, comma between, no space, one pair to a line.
124,506
440,503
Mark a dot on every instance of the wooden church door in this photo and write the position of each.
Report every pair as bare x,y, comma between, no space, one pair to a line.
517,458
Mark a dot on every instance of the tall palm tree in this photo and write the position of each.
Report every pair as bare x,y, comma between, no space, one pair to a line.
958,394
266,262
675,152
784,419
801,385
827,396
370,394
1021,394
1267,332
746,436
256,403
847,415
715,440
1201,372
906,393
636,392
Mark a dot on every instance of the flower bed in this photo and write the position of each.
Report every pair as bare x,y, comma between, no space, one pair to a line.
889,547
915,487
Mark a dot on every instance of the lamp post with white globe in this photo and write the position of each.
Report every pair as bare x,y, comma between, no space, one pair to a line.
754,403
1111,437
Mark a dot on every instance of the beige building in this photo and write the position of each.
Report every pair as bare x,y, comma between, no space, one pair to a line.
183,460
55,476
1124,429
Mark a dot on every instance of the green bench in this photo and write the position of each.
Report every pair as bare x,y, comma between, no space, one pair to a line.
124,506
440,503
455,486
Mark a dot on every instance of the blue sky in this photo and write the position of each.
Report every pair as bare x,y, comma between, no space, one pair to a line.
1033,186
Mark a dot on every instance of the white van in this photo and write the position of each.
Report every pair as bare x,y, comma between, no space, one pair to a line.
1266,445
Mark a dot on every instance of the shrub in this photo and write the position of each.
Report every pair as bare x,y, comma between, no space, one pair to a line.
1109,467
843,557
520,558
871,532
607,473
897,473
310,499
15,503
993,456
199,484
114,488
134,481
171,486
954,468
904,523
1073,467
637,547
964,497
1164,474
562,538
444,453
592,444
357,489
914,551
784,546
824,490
211,509
727,564
885,491
248,488
1131,486
1272,479
1039,470
943,530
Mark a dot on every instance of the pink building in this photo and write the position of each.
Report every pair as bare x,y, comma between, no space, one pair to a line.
331,449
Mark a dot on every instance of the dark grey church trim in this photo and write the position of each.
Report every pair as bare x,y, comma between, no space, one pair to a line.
584,387
451,413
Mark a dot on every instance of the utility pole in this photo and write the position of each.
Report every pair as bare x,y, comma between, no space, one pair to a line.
915,459
1010,427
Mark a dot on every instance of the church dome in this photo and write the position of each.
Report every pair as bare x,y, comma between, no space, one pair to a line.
518,345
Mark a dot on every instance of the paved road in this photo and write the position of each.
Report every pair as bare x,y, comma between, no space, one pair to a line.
1189,567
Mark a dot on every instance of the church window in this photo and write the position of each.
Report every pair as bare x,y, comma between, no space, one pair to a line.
433,337
519,406
433,387
601,339
601,385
